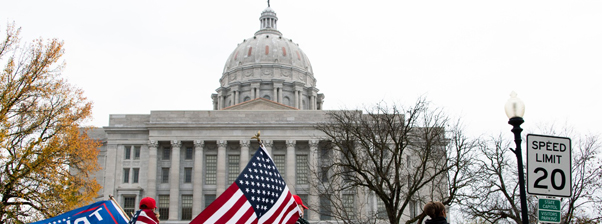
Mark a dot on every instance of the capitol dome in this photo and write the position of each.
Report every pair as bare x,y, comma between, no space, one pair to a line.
268,66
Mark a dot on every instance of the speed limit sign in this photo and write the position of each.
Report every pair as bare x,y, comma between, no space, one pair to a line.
549,165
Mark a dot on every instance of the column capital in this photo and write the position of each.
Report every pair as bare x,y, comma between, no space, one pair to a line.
313,143
291,143
176,144
199,144
222,143
245,143
153,144
268,143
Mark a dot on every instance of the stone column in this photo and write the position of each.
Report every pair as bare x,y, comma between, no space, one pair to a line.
297,99
109,188
313,197
277,83
174,181
280,95
151,188
237,100
197,181
360,200
244,153
221,167
291,169
219,100
268,144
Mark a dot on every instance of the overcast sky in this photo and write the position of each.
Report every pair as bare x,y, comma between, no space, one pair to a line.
131,57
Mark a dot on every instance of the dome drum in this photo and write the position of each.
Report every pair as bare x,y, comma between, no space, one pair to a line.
268,72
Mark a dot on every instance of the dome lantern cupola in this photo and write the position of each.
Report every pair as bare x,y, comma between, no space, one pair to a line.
268,22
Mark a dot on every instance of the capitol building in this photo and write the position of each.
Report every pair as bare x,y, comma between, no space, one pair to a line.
186,159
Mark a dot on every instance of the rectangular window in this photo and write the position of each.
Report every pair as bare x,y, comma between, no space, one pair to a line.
166,153
186,207
302,169
324,174
129,204
164,207
136,152
233,168
211,169
127,151
209,198
189,153
349,205
279,162
188,175
126,175
325,207
136,175
164,175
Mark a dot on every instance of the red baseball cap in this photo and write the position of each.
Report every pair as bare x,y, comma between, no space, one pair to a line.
147,203
299,202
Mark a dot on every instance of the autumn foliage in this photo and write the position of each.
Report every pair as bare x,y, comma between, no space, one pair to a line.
46,160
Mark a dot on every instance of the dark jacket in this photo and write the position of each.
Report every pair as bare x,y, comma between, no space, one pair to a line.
301,221
437,220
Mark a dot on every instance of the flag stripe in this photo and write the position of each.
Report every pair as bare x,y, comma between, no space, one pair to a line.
286,193
225,207
259,195
290,205
216,205
119,211
272,218
248,216
233,209
144,219
109,211
291,213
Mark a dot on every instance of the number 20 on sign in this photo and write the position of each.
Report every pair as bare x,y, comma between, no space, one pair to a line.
549,165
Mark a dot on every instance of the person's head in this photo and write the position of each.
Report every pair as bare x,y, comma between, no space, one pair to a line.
147,203
302,207
434,209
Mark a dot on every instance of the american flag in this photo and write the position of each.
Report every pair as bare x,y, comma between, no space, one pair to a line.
144,216
259,195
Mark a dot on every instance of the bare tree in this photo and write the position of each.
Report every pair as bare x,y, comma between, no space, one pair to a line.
494,197
391,160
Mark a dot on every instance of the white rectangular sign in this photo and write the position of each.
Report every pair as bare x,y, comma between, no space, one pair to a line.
549,165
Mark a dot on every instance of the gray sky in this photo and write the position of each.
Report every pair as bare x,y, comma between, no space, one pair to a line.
131,57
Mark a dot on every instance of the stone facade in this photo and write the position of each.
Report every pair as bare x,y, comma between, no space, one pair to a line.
181,143
185,159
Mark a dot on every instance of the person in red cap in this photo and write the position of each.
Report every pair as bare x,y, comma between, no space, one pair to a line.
302,207
147,213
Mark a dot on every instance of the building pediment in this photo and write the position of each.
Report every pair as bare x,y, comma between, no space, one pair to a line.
259,104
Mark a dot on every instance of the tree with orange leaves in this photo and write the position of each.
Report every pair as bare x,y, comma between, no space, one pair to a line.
46,160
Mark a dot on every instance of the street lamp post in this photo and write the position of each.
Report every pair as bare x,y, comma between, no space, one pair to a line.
515,109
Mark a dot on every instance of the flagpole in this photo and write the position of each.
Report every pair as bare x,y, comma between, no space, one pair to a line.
119,206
